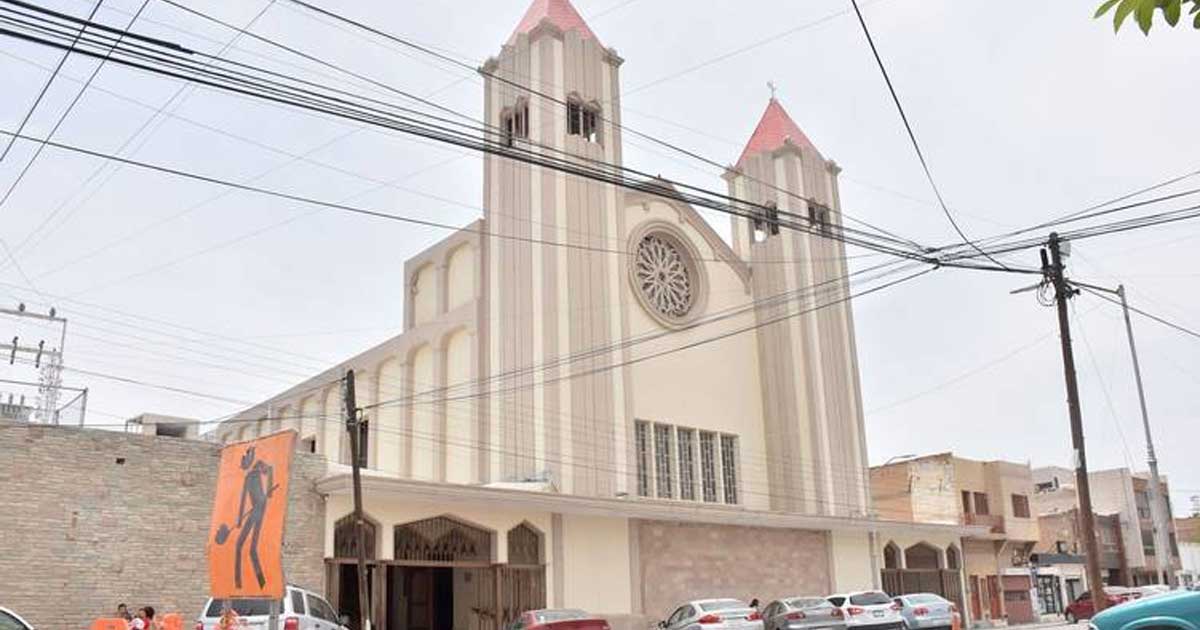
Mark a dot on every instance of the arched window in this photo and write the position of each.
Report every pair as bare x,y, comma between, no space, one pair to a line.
583,120
515,122
952,561
345,538
891,556
442,539
922,556
524,545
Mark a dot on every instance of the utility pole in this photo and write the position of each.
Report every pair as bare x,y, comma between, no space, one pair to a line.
352,425
1053,269
1158,504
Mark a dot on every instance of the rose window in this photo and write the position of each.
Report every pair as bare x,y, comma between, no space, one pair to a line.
664,276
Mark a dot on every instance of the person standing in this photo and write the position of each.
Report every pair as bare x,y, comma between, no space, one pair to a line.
123,613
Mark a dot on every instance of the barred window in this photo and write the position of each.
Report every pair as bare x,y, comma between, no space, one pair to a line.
729,468
708,466
687,464
664,460
642,439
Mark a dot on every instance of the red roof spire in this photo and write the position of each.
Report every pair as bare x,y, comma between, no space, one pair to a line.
559,12
773,129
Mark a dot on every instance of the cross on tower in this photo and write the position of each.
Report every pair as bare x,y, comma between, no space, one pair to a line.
771,86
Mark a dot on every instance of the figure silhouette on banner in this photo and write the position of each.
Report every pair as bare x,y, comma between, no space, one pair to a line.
257,486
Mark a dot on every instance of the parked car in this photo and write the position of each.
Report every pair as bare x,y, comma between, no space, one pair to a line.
10,620
558,619
713,614
802,613
1172,611
926,610
1151,590
1084,608
298,610
868,610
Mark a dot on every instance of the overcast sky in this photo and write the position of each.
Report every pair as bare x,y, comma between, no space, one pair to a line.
1026,110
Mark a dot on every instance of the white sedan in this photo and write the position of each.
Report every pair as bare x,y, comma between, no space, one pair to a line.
713,614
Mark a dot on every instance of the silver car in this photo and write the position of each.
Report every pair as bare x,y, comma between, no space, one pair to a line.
10,619
802,613
713,614
922,611
298,610
868,610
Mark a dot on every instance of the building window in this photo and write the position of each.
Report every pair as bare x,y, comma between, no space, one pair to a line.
581,121
729,468
1148,542
818,216
708,466
1020,506
642,438
765,221
664,460
981,504
515,122
687,464
966,498
308,445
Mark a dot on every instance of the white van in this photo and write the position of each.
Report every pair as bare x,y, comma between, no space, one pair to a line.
299,610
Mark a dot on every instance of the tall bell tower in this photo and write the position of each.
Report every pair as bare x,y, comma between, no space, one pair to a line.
553,90
810,382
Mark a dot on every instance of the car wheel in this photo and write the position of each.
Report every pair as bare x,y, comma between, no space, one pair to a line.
1071,618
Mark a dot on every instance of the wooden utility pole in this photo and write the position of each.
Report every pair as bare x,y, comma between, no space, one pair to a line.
360,530
1063,292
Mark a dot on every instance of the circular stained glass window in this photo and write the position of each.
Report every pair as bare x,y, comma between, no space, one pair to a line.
664,275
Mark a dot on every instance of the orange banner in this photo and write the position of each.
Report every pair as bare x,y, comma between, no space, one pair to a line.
245,539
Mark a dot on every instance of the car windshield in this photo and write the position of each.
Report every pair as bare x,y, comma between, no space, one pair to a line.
243,607
870,599
547,616
808,602
722,604
923,599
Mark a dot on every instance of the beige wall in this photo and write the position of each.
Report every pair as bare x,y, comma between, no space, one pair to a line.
461,424
851,552
596,565
423,414
460,277
424,295
891,494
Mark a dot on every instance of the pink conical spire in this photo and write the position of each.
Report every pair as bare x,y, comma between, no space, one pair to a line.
773,129
560,13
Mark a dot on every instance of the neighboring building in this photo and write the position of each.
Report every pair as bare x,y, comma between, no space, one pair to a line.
165,426
1060,560
644,407
93,518
990,497
1188,531
14,409
1122,494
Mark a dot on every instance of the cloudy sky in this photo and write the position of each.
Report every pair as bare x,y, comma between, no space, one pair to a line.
1026,110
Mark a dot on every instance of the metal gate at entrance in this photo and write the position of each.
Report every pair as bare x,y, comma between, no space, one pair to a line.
944,582
443,577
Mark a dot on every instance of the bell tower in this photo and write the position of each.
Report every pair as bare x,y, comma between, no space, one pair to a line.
810,383
553,91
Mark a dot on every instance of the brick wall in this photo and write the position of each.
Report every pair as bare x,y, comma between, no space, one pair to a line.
81,532
679,562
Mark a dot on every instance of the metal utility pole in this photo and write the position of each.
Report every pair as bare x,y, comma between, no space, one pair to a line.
1053,269
1158,504
352,425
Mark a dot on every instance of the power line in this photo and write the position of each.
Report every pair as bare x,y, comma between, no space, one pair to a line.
1169,324
340,108
913,137
45,87
67,112
156,116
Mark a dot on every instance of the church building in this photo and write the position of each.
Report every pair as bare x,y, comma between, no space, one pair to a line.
596,401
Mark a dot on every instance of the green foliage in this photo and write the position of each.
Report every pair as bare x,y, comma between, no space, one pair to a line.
1143,12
